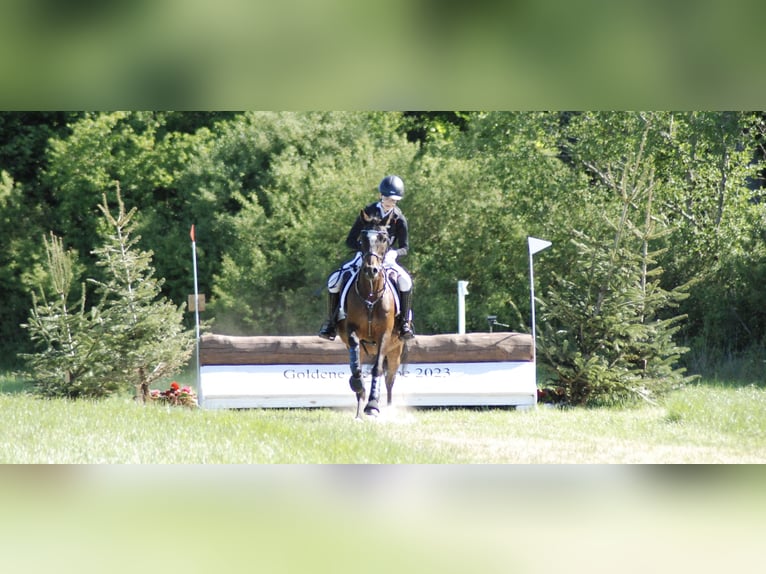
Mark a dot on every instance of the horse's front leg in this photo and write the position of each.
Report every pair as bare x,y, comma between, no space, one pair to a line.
356,382
372,407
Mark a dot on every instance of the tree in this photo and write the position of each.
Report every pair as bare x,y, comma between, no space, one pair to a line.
72,359
607,323
289,185
130,336
144,330
15,261
500,182
272,195
24,197
716,208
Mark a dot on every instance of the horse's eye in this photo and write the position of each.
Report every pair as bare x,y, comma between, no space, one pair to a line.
381,237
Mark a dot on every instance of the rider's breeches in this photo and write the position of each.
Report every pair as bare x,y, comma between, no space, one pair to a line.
338,278
403,281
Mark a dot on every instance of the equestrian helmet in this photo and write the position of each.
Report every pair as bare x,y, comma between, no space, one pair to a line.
392,186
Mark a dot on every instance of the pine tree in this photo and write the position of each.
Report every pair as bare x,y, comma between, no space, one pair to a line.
608,325
131,336
73,360
146,332
607,328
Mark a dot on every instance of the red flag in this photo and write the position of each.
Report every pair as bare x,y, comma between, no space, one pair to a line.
191,233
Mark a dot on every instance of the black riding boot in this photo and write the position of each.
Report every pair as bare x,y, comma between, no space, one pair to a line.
405,300
328,329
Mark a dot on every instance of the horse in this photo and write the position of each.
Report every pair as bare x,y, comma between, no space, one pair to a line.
370,318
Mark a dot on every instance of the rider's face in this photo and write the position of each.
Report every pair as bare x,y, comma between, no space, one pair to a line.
388,203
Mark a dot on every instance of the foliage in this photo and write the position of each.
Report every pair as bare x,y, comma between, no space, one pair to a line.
607,324
130,336
145,330
15,258
602,333
72,359
709,164
295,184
272,195
515,188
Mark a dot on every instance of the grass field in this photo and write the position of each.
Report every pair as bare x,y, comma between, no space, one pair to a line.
444,516
699,424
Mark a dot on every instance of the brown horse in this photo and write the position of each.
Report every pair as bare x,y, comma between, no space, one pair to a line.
370,318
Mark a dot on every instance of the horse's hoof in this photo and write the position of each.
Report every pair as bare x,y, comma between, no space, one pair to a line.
372,409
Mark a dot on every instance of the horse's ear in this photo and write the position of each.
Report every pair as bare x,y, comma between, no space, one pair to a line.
387,222
364,216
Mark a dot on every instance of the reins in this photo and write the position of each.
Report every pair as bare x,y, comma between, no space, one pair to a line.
375,296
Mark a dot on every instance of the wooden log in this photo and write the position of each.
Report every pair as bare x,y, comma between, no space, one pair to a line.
470,348
268,350
308,350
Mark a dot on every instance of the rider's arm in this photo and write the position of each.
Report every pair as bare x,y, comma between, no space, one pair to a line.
402,234
352,240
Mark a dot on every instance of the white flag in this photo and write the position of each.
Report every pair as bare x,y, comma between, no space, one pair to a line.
536,245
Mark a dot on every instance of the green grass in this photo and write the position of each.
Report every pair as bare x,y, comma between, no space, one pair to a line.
442,517
699,424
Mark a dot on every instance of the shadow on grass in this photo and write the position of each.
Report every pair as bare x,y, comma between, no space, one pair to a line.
729,381
11,384
725,369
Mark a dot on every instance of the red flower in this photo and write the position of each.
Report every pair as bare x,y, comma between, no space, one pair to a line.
175,395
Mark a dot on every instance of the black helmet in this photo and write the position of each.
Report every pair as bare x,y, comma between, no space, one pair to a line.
392,186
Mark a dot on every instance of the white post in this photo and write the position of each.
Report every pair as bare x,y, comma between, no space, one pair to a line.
196,311
462,291
535,245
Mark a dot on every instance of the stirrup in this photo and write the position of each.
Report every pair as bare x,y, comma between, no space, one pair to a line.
406,331
328,331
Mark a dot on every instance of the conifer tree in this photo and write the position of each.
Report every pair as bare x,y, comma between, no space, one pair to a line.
608,324
131,336
72,360
607,328
145,330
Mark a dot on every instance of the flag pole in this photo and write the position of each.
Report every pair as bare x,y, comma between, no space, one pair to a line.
535,245
462,291
196,310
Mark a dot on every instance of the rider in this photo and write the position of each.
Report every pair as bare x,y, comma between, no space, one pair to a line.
391,190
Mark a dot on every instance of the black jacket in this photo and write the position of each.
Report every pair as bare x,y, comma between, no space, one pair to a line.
397,229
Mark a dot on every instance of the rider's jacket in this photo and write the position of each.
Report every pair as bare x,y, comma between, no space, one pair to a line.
397,229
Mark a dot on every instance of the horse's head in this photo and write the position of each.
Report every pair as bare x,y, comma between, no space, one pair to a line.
374,241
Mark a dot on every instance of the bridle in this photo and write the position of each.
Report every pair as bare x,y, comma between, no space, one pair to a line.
376,294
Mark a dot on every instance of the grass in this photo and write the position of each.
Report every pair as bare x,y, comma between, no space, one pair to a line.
699,424
438,517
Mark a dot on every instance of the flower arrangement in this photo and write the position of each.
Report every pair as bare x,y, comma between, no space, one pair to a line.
175,395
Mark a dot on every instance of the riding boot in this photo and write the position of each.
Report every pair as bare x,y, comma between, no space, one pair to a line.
328,330
405,300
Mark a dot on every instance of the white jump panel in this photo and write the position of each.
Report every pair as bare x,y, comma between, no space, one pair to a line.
419,384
